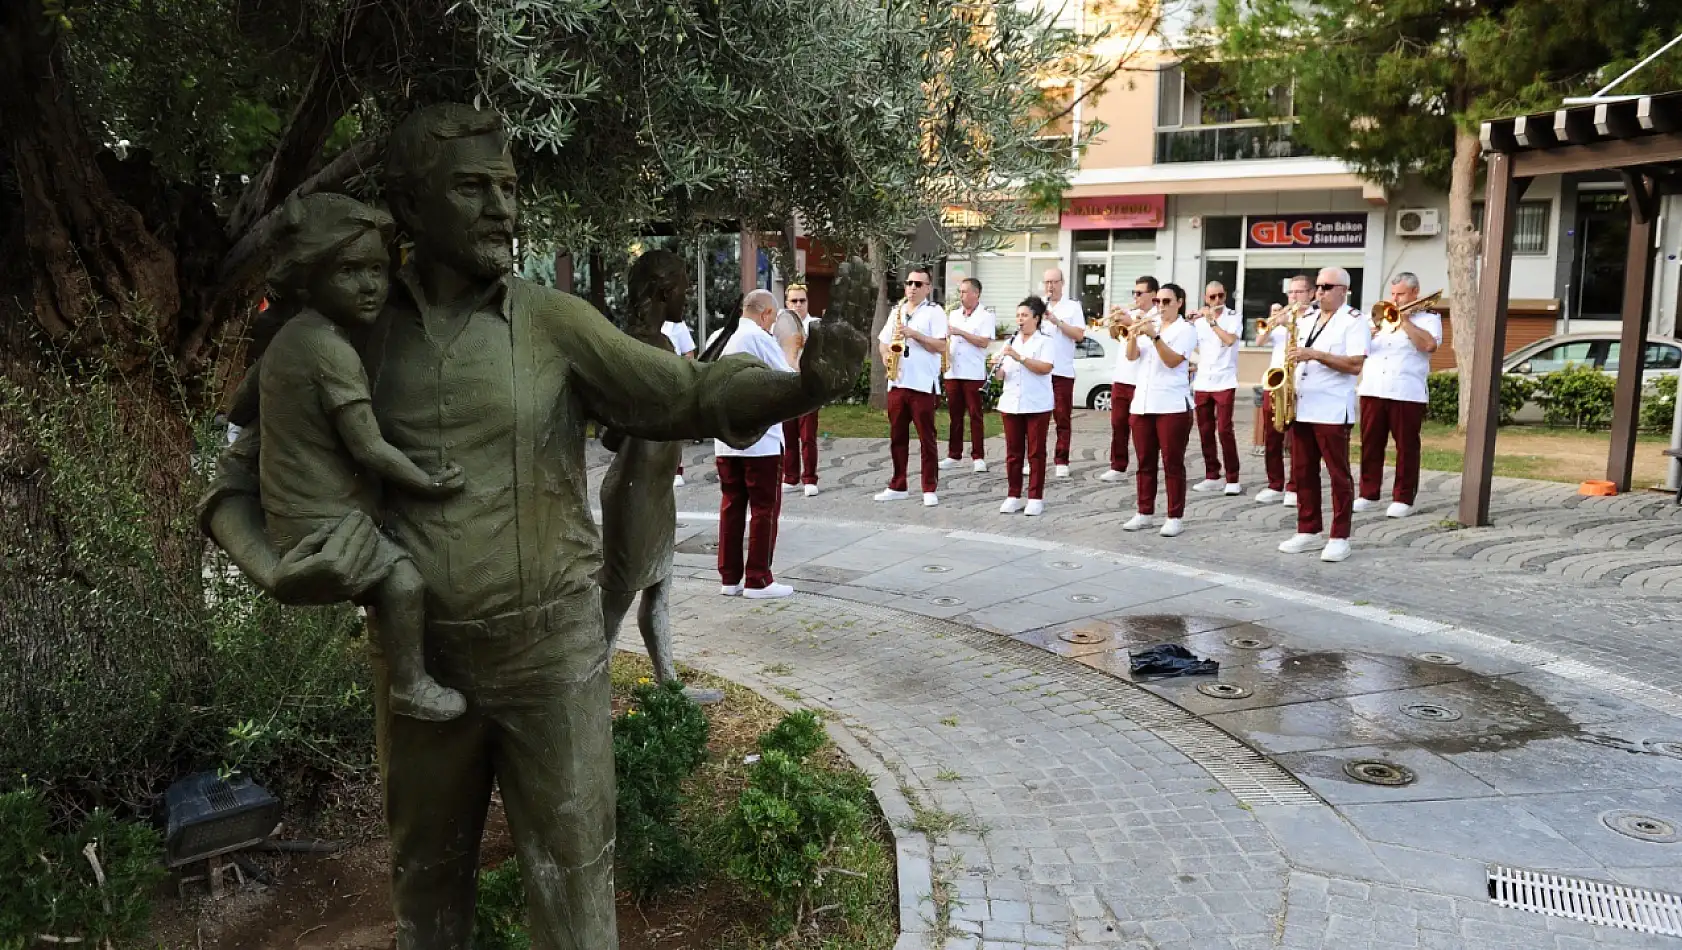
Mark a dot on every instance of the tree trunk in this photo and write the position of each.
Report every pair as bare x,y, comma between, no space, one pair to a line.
1463,243
878,372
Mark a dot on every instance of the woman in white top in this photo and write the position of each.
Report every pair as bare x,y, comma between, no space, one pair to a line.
1162,407
1025,406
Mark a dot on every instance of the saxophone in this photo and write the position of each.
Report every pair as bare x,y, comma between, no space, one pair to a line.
896,347
1281,381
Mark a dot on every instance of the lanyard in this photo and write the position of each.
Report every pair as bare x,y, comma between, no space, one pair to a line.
1315,333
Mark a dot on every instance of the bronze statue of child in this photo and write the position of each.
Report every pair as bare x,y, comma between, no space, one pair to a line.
322,446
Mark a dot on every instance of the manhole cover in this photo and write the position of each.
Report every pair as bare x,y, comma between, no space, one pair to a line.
1430,712
1083,636
946,601
1642,827
936,569
1668,747
1066,565
1248,643
1440,659
1223,690
1086,599
1240,602
1374,772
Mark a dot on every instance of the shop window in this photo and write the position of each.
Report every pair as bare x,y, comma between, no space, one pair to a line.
1223,233
1092,241
1530,225
1133,236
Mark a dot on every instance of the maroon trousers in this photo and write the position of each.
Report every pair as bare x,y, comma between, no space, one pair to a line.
906,408
1121,424
1214,421
748,484
1063,391
963,396
800,450
1382,419
1273,449
1310,443
1165,434
1025,435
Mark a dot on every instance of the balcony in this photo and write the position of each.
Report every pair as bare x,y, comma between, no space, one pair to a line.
1226,143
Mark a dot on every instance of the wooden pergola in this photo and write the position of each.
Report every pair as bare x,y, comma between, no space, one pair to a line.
1640,137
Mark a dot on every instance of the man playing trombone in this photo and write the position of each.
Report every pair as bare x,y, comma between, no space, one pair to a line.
1393,394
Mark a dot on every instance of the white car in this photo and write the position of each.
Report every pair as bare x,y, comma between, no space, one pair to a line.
1662,357
1094,368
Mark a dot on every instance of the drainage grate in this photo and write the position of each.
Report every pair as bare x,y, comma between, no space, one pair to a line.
1596,902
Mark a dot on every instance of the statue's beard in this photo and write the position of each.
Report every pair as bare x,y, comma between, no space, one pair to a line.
485,255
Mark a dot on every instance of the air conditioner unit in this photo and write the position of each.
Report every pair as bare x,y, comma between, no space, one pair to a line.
1418,222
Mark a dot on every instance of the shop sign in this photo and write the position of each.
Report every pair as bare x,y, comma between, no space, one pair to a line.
1290,231
1115,211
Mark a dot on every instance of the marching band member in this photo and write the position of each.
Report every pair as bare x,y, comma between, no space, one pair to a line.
1025,365
1126,376
800,436
1066,325
972,328
748,477
1219,329
1280,487
1332,346
683,343
921,325
1162,407
1393,399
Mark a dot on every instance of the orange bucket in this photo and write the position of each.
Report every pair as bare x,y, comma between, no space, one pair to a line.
1597,487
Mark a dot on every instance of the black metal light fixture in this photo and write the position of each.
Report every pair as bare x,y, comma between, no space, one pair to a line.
210,816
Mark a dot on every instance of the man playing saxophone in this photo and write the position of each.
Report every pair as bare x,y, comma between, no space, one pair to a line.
1393,397
919,327
1331,348
1280,487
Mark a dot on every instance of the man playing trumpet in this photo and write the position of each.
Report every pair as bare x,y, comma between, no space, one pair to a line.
1126,377
1393,397
1215,387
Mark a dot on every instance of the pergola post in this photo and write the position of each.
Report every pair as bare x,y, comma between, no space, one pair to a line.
1500,201
1632,350
749,261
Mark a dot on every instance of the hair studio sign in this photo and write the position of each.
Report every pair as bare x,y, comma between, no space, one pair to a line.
1303,231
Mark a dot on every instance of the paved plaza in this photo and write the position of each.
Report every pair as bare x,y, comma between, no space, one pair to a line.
1523,682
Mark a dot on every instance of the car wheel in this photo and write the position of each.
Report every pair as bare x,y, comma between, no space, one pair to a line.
1099,399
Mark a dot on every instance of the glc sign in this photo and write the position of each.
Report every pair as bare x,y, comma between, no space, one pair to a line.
1292,231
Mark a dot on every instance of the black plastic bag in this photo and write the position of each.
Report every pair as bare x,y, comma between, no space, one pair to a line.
1170,659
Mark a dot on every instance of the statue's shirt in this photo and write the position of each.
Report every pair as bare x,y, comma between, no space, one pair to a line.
309,372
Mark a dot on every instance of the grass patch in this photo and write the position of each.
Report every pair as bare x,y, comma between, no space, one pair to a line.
1540,452
863,422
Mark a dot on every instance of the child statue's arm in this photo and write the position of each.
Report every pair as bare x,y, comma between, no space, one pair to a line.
361,434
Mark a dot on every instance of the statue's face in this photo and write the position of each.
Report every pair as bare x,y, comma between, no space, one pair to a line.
351,288
465,217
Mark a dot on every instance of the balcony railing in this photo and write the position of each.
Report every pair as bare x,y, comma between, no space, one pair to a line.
1225,143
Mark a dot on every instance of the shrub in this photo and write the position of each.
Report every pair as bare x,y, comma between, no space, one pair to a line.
860,395
1442,397
499,921
49,885
657,744
797,736
1579,396
1658,408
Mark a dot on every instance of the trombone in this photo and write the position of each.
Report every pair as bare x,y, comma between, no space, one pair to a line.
1387,315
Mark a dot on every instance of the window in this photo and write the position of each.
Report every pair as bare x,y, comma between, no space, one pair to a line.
1223,233
1170,97
1662,356
1558,357
1530,225
1088,348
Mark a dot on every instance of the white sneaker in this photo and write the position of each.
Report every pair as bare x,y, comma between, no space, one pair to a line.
677,481
1208,484
1113,475
768,592
890,494
948,463
1290,499
730,590
1011,506
1337,549
1062,471
1298,543
1139,523
790,486
981,465
1365,504
811,491
1268,496
930,499
1172,528
1035,507
1398,510
1233,488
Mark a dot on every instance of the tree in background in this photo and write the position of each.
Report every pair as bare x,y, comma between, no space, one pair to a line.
1400,88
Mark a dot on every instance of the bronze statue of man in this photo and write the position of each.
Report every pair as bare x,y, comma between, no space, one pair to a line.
499,375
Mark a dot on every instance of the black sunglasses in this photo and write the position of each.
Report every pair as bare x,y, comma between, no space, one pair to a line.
1328,286
1217,296
1167,300
915,283
1142,293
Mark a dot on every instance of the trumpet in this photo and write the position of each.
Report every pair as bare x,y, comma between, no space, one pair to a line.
1110,322
1387,316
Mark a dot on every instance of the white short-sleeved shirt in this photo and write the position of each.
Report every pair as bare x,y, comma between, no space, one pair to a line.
1277,340
919,369
1126,370
1161,388
1325,395
751,339
683,342
1026,391
1217,363
1063,345
1395,369
967,360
